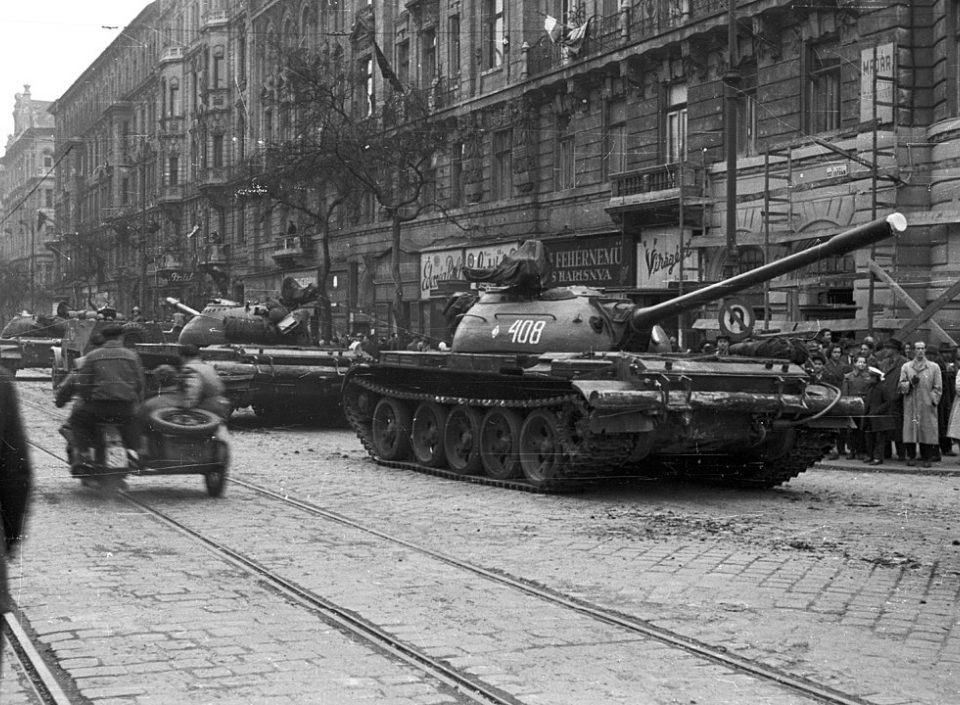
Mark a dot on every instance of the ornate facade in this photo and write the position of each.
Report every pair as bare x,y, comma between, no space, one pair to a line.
601,130
27,201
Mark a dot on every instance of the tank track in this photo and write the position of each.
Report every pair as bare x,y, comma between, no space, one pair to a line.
586,457
809,447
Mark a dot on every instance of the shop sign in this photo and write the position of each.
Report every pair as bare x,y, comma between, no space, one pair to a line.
489,255
175,277
438,266
601,261
661,255
877,69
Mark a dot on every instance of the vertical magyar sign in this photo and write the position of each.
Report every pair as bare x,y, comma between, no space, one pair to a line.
877,68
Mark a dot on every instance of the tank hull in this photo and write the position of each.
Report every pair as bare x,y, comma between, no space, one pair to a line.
556,421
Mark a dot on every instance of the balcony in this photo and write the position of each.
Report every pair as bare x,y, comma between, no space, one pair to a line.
215,18
644,20
213,255
213,176
172,126
664,185
169,262
112,212
170,54
287,248
170,193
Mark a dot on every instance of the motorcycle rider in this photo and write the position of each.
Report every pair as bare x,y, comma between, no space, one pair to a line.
111,384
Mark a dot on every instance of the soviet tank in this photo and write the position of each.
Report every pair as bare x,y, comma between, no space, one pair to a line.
265,353
549,388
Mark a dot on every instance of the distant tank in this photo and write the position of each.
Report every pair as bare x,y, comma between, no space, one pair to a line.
271,344
27,340
547,388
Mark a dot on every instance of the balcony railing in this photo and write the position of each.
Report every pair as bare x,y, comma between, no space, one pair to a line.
171,54
170,193
661,179
288,246
213,176
645,19
172,125
214,18
214,255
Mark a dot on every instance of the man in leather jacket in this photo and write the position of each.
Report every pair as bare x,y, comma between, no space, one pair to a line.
111,383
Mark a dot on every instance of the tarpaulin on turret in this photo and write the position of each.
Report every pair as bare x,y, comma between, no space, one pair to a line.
524,269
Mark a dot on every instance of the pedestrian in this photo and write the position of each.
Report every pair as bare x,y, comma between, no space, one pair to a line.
855,384
921,385
817,363
948,366
892,360
878,421
723,345
15,481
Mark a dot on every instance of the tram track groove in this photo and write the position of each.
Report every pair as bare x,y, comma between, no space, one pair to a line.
43,684
467,685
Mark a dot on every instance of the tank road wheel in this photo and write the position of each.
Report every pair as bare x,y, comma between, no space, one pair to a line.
426,434
391,429
461,440
500,443
540,447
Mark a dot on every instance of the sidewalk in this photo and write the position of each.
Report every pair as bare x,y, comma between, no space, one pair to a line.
948,467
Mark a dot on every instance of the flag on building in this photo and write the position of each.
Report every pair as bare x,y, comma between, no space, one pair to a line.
385,69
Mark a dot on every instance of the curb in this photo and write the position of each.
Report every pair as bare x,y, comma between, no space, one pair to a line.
890,468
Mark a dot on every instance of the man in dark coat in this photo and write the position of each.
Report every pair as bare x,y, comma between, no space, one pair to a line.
878,421
15,479
891,360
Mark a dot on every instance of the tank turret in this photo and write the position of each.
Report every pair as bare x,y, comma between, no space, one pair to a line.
281,321
520,317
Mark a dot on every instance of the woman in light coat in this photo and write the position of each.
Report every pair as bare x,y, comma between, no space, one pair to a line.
921,385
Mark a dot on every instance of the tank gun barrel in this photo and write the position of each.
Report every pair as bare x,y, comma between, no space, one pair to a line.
845,242
181,306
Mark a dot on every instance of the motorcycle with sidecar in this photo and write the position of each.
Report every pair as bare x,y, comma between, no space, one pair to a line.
173,441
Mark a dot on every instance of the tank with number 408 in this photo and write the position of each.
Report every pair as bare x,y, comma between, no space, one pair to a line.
549,388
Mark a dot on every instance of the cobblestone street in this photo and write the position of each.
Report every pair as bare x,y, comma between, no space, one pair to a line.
844,577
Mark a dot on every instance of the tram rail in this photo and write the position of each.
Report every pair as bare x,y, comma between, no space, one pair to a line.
469,686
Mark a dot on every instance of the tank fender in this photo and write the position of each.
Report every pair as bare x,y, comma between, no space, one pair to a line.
618,407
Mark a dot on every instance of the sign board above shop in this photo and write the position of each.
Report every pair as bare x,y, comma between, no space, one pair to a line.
660,252
599,261
446,265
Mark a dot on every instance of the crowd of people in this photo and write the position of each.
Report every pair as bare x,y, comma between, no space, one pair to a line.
910,395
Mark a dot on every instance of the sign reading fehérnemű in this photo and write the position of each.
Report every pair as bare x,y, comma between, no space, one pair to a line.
600,261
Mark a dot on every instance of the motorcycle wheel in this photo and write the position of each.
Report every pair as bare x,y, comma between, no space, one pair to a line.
216,480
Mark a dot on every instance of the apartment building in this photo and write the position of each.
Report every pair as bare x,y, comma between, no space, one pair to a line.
602,127
27,204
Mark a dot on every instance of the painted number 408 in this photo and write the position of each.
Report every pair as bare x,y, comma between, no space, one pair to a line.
526,331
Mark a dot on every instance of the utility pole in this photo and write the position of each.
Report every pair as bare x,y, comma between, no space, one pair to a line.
33,267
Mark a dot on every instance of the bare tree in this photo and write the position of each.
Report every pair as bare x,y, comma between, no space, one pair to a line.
337,147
